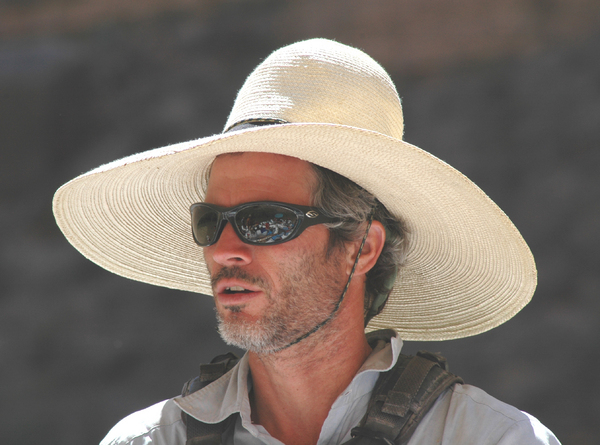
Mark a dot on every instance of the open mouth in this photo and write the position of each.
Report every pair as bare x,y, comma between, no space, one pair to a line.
236,290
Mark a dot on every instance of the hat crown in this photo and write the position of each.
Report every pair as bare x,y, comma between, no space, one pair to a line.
321,81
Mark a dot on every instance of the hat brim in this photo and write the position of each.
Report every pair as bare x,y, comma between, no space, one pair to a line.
467,270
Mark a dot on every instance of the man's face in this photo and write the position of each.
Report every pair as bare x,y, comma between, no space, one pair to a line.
268,296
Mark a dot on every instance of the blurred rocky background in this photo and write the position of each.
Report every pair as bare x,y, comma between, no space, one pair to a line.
508,92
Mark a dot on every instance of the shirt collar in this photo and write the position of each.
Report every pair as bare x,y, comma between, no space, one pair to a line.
229,394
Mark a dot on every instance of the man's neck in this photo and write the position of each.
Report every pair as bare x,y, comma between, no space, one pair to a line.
294,389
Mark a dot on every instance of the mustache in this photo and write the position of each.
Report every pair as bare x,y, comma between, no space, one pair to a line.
238,273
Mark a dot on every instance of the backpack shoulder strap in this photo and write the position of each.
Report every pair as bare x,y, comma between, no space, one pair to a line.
200,433
402,397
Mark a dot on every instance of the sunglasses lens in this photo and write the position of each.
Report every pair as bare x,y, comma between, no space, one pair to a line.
204,225
266,224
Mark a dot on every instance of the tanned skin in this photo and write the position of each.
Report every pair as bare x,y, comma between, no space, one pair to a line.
294,387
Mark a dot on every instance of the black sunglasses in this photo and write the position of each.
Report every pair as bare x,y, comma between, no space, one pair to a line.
256,223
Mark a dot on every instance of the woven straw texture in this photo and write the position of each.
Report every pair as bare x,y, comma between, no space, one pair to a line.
468,269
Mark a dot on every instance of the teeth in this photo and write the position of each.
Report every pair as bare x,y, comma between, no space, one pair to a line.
236,289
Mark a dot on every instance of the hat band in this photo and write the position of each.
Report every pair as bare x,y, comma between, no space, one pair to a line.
252,123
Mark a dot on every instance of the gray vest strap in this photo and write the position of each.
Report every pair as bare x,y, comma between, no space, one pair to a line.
402,397
200,433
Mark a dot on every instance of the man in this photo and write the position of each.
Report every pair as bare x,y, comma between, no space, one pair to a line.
377,232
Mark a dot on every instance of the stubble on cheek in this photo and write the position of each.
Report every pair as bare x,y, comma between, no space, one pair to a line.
308,296
310,287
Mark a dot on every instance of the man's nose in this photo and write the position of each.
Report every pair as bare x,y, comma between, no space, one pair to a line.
230,250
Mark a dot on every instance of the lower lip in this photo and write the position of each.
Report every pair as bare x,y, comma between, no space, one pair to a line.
237,299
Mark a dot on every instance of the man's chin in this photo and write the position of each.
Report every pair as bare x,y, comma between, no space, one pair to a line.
241,336
245,334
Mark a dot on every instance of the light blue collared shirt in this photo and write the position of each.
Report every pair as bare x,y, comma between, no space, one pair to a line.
229,395
462,415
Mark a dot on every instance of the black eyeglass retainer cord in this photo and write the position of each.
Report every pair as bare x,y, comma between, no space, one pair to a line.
339,302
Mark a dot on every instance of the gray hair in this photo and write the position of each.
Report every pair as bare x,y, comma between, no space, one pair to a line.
340,197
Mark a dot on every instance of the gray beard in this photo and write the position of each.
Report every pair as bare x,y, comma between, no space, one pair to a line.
308,298
262,336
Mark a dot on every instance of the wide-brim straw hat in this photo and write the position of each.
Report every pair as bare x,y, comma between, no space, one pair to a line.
467,269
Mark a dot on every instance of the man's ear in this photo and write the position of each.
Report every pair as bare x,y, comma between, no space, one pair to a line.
371,250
